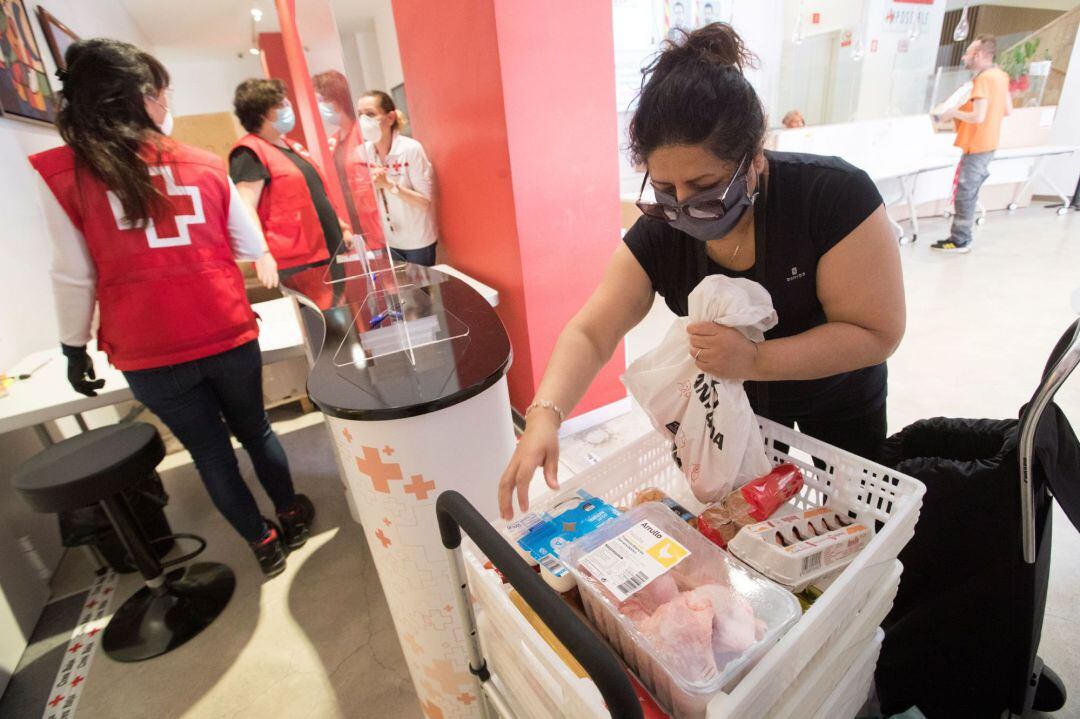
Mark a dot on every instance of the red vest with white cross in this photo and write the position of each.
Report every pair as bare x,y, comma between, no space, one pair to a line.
287,212
169,291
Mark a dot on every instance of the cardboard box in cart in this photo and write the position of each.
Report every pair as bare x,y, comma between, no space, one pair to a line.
869,492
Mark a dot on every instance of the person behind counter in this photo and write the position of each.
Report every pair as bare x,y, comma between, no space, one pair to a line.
276,179
173,314
811,229
403,179
350,160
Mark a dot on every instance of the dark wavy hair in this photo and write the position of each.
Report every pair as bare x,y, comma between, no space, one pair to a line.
255,98
103,119
695,93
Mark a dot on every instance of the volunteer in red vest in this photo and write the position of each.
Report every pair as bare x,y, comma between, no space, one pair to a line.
276,178
350,160
151,231
403,179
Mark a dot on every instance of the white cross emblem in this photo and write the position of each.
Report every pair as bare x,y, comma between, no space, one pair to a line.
183,236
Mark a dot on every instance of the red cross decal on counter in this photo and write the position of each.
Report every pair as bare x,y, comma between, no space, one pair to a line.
466,698
55,702
77,681
386,521
91,604
75,647
388,451
418,487
383,538
346,435
380,473
93,631
431,711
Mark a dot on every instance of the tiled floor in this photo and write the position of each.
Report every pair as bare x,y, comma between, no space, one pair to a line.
317,642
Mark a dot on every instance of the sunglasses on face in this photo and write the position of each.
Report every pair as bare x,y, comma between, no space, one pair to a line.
705,206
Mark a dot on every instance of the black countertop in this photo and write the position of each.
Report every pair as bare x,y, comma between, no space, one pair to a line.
357,374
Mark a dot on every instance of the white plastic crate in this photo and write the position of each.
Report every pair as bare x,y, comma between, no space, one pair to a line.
852,691
870,492
834,661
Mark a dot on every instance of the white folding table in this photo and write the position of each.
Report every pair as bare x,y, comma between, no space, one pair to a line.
47,396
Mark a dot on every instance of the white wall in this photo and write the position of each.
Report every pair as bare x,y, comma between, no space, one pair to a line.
386,33
367,45
205,82
1066,129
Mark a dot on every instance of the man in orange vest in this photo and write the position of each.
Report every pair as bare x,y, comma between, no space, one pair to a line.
978,131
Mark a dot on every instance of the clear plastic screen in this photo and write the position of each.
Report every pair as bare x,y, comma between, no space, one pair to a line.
396,316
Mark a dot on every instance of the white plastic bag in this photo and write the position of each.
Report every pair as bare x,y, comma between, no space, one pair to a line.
717,442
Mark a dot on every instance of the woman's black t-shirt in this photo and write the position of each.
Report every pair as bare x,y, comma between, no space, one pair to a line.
245,166
812,203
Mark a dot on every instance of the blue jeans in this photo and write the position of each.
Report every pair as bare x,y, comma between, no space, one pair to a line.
201,402
424,256
974,169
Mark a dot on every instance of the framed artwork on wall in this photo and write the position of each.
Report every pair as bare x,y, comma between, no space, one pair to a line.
24,85
58,35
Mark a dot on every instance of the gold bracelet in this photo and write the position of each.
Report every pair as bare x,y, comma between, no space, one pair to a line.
545,404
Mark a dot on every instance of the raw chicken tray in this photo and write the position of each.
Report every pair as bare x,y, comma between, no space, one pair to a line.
868,492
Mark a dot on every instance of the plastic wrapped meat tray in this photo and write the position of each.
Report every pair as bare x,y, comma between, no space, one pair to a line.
685,616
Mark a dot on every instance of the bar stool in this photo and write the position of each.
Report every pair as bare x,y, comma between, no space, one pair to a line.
96,466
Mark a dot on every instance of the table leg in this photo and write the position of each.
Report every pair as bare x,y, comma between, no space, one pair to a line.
1036,168
906,182
43,435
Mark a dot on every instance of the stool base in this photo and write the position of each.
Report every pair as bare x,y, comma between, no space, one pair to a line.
148,625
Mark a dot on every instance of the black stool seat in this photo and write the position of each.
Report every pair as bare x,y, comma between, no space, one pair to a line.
96,467
89,467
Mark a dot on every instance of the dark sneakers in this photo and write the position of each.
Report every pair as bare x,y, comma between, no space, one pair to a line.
950,246
296,522
270,551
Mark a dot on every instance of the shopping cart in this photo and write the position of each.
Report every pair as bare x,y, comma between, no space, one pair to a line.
822,667
963,637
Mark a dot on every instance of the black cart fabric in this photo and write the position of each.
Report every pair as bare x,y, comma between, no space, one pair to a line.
967,619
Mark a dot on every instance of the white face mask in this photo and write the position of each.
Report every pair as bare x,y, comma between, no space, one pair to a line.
370,129
166,125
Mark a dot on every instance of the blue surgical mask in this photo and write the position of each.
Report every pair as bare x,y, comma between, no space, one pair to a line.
329,115
286,119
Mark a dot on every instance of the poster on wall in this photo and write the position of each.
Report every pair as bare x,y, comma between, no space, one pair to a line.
24,84
58,35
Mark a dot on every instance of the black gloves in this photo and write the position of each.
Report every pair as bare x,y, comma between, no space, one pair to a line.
80,371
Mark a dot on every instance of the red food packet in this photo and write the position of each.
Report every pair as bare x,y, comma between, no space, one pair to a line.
765,494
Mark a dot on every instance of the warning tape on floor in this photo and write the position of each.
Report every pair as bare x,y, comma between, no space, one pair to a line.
71,679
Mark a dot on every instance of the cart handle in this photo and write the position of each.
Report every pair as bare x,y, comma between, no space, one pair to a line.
1062,362
455,514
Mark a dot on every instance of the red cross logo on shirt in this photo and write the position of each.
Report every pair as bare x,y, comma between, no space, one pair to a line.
77,680
187,209
75,647
59,698
418,487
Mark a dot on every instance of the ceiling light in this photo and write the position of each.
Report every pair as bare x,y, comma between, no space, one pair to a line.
257,14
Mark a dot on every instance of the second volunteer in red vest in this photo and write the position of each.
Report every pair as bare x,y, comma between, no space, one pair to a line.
147,229
276,178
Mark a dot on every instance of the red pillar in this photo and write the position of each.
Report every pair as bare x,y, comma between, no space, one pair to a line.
515,105
302,93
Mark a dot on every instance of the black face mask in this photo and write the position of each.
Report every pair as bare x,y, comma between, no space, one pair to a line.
708,216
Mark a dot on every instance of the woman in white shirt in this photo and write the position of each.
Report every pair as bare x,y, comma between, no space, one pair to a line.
403,180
